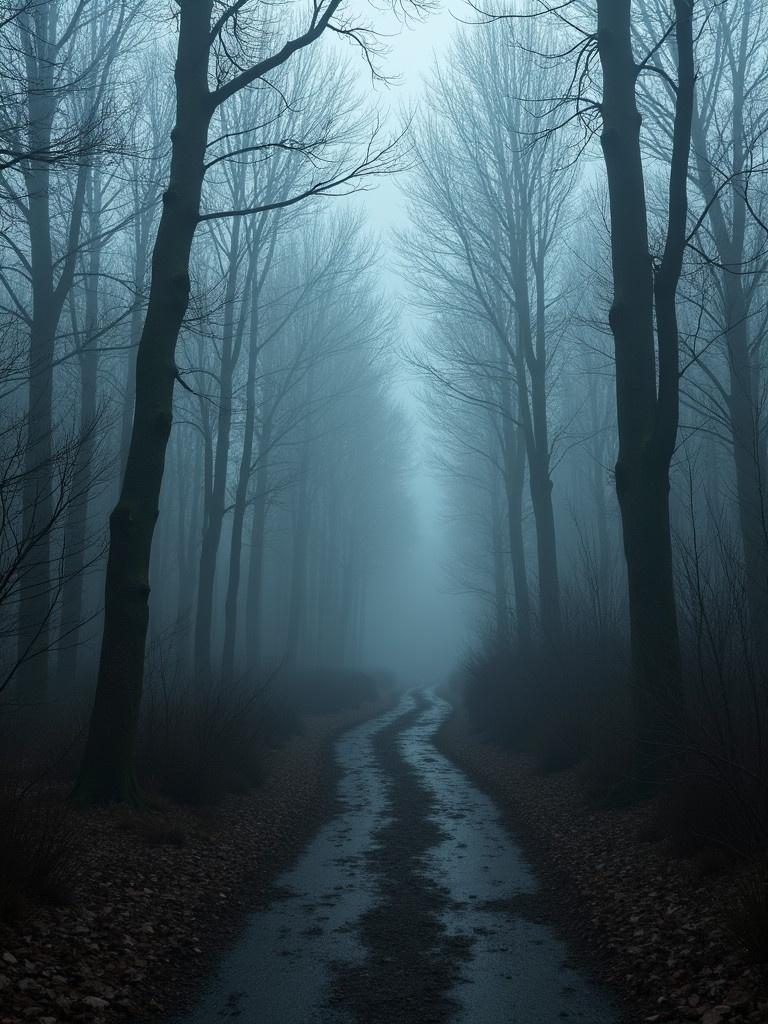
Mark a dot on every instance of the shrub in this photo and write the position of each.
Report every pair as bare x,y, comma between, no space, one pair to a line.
542,703
199,742
194,748
37,848
495,695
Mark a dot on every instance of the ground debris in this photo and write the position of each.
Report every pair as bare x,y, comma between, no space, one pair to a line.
652,927
120,949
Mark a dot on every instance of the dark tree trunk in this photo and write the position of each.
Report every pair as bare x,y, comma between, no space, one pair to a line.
299,553
500,597
48,297
647,420
258,533
743,398
189,539
598,489
108,772
243,482
532,409
141,246
214,516
76,532
750,465
514,483
342,646
185,479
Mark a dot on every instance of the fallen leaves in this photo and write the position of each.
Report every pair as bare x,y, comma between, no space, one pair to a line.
120,951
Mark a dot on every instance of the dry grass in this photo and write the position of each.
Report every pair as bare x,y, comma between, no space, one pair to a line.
37,849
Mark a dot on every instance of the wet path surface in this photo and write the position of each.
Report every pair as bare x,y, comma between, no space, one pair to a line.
412,905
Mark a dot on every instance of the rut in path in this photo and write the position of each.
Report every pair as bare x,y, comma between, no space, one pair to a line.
412,905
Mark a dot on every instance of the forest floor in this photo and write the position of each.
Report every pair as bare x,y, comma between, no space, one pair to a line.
381,884
157,895
652,925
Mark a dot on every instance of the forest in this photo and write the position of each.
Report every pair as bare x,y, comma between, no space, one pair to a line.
384,511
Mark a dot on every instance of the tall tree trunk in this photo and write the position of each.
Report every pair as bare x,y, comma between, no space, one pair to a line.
514,483
76,532
190,541
185,479
141,246
532,408
358,634
750,466
541,472
214,517
743,398
744,413
253,607
598,491
500,599
245,472
342,645
647,421
299,553
241,492
108,771
48,296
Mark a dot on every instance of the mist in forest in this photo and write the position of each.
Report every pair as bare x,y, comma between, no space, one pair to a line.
357,344
287,536
351,349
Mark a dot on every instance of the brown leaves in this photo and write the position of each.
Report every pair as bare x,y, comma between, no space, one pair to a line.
147,911
654,928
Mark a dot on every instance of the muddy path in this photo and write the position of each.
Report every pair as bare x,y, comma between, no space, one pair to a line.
412,904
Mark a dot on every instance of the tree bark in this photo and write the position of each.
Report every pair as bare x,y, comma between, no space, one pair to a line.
214,517
532,410
243,481
742,399
48,297
299,548
108,771
647,420
253,613
76,531
514,483
141,247
500,599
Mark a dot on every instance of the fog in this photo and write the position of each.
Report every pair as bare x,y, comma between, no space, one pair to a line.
432,626
393,372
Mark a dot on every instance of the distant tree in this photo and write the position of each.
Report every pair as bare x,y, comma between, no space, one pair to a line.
490,203
57,59
23,539
728,169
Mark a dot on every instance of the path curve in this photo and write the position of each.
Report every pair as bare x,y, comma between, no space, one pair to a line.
412,904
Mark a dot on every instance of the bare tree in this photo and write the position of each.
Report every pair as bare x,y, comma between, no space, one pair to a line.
213,43
489,206
59,59
643,315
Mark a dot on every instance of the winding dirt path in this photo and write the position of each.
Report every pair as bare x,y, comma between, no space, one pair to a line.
412,905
